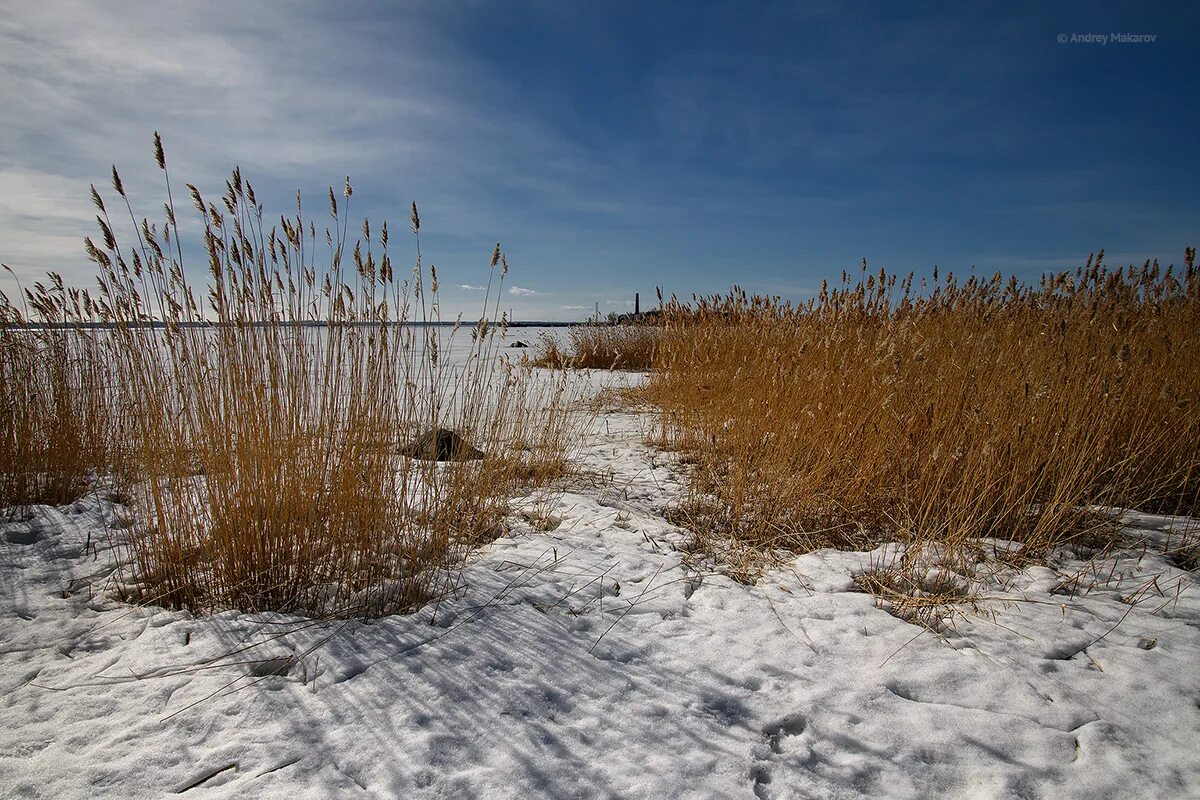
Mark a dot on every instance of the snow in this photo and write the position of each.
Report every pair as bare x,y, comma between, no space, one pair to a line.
592,660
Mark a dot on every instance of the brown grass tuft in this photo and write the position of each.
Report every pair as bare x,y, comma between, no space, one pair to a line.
261,413
628,347
53,406
946,413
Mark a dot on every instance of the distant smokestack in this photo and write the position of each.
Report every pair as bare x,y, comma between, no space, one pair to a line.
637,303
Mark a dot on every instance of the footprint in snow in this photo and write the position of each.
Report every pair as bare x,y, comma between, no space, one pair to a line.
777,732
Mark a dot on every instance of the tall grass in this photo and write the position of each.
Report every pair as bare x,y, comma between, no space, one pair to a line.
937,415
599,346
53,411
266,408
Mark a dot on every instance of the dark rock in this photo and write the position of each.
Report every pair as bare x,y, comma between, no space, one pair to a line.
440,444
27,536
518,344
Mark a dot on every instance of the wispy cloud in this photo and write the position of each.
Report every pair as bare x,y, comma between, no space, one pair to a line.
873,155
522,292
231,84
469,288
574,308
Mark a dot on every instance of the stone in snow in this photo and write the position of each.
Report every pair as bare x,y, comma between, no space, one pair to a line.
441,444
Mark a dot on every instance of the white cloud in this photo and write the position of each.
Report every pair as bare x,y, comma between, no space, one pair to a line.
469,288
228,83
517,290
618,302
574,308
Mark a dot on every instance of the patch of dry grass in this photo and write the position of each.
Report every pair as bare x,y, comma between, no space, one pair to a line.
943,414
922,597
265,409
53,406
628,347
1184,552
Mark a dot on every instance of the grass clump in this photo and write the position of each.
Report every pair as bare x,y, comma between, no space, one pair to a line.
267,409
920,596
628,347
53,407
1184,551
943,413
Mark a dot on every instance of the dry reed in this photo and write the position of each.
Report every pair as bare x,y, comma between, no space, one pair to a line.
263,413
53,413
629,347
939,415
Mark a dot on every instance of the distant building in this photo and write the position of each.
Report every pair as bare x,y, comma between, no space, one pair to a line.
638,316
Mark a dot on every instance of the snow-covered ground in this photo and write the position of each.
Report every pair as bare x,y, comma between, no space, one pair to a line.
591,661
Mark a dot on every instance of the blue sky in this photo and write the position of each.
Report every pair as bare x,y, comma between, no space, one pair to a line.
615,147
